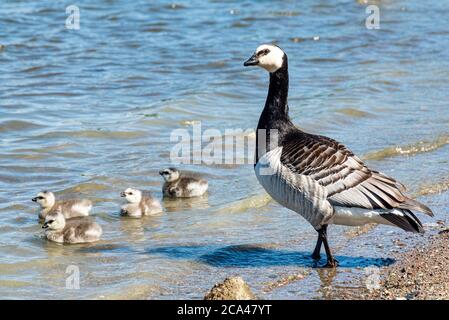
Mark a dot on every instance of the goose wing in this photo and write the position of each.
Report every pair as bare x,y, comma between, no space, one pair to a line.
347,180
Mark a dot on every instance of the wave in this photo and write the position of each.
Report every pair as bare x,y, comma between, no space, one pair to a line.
17,125
256,201
92,134
435,188
86,188
408,150
354,112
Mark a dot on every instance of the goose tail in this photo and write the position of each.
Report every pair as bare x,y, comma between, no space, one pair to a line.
410,204
404,219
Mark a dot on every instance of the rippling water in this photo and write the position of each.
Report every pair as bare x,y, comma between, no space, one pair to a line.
89,112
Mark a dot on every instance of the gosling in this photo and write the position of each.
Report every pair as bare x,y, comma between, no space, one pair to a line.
180,186
70,208
69,231
139,205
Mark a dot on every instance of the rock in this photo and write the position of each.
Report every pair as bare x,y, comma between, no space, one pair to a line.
233,288
399,243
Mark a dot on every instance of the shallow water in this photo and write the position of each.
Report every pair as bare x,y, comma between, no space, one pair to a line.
89,112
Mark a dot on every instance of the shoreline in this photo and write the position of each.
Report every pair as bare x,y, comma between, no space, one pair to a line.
421,273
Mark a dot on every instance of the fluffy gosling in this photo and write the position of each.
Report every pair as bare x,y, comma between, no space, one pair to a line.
139,205
180,186
74,230
70,208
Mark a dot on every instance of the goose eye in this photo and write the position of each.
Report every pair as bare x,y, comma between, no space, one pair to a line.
263,52
50,221
130,193
40,198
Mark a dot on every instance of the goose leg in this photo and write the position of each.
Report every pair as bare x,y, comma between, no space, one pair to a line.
316,253
331,261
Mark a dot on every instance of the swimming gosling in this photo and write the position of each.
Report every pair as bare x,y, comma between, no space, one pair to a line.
180,186
74,230
139,205
70,208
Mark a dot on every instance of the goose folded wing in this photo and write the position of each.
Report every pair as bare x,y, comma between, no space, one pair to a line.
347,180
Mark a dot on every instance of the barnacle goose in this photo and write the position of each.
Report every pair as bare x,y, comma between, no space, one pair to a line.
177,185
74,230
70,208
316,176
139,205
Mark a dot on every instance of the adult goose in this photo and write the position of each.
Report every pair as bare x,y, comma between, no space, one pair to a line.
316,176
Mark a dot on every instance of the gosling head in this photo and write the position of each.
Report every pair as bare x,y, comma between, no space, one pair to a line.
54,221
267,56
132,195
46,199
170,174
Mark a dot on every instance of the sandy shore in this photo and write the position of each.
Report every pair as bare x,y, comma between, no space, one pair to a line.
421,273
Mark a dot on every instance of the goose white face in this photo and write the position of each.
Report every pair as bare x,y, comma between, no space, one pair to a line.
55,221
132,195
169,174
267,56
45,199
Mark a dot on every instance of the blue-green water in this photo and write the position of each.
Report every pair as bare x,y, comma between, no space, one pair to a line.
89,112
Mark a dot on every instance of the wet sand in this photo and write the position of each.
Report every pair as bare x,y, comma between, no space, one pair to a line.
421,273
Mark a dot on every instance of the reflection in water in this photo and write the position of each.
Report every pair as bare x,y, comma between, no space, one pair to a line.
134,228
55,250
180,204
326,276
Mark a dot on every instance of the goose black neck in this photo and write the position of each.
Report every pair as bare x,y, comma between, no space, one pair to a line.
278,93
275,112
